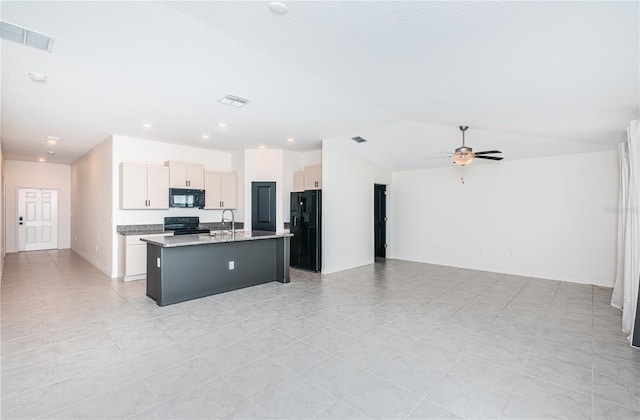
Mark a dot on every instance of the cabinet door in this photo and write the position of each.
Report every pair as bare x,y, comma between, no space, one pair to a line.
157,187
195,176
133,186
313,177
178,174
298,181
136,260
213,192
229,190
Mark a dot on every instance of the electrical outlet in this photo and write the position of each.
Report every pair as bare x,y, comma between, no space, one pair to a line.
232,265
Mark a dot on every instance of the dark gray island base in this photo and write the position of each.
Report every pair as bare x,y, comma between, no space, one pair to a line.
186,267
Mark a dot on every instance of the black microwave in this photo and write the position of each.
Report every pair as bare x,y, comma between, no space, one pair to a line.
181,197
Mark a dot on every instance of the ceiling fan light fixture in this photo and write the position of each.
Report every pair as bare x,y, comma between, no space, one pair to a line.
463,159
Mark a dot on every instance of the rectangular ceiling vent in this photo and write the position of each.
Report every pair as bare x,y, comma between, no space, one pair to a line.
234,101
25,36
358,139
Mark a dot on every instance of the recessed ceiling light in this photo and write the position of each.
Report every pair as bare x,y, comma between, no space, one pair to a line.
40,159
205,136
146,125
278,8
222,125
51,152
53,139
38,77
291,139
261,146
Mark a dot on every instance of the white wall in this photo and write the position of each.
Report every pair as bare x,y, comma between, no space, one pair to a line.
2,221
92,195
20,174
347,205
237,166
264,165
548,217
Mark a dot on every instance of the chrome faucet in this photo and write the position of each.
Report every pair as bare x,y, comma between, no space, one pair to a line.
232,220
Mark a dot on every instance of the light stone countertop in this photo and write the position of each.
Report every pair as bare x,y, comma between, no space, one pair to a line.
213,238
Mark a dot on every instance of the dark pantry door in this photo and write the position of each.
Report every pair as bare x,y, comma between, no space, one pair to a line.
380,220
263,206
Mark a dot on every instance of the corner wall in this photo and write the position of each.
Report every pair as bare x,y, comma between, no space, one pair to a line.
264,165
91,221
550,218
21,174
347,207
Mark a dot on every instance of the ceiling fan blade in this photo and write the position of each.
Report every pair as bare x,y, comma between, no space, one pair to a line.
488,152
441,156
489,157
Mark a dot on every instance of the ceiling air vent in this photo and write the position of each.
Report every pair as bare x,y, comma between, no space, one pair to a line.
25,36
234,101
358,139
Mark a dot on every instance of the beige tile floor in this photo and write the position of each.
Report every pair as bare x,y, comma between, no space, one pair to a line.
390,340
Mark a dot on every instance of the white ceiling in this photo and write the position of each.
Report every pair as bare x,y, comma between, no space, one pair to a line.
530,78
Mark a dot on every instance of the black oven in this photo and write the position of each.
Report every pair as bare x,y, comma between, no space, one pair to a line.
182,197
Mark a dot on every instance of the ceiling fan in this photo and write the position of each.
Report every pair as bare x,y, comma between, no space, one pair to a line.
464,155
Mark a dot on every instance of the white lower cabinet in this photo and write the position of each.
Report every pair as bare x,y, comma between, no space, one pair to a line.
135,255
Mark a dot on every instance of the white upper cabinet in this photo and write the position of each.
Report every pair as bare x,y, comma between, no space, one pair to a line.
313,177
144,186
229,190
298,181
221,190
186,175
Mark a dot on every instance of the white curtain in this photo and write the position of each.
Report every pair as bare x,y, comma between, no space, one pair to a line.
625,291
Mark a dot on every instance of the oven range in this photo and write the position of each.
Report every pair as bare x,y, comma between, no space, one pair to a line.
184,225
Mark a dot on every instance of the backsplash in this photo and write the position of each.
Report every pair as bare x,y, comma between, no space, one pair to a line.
142,229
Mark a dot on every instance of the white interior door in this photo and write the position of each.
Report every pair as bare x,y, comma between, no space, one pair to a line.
37,219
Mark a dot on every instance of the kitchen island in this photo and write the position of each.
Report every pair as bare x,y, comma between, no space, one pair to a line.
186,267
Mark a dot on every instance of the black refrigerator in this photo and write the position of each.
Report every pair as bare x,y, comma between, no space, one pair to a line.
306,226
